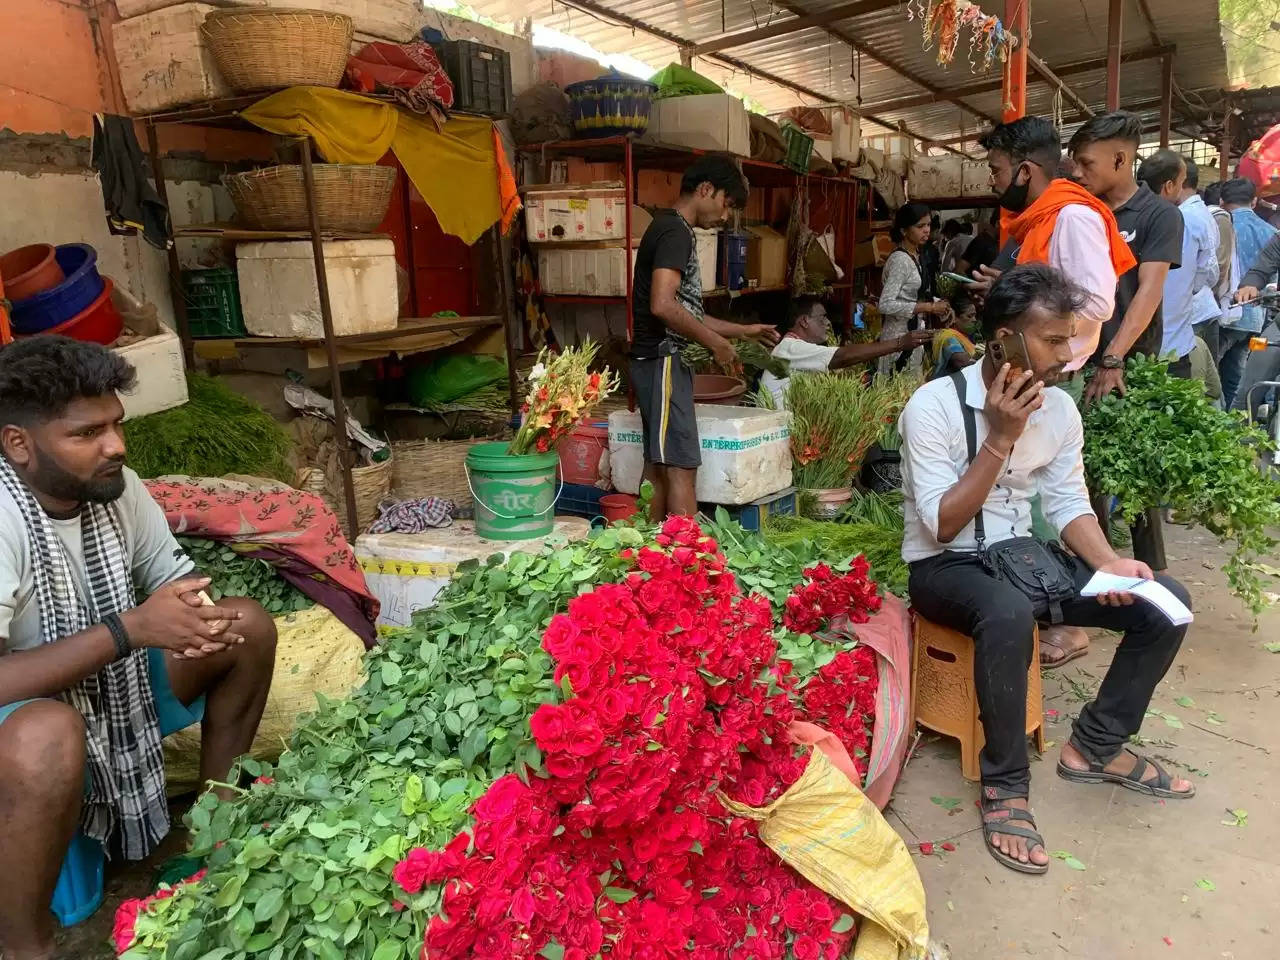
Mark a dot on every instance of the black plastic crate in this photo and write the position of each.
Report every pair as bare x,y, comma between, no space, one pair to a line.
481,77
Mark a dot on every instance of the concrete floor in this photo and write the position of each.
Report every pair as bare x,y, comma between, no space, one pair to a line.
1147,863
1143,858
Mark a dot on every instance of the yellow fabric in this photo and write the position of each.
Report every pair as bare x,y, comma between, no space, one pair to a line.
315,653
455,170
828,830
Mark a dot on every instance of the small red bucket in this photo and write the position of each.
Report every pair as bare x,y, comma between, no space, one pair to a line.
581,450
618,506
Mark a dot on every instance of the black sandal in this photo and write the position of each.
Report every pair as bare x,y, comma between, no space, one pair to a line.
1158,787
1004,825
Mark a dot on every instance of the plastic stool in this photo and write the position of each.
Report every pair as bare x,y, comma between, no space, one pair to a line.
78,893
943,697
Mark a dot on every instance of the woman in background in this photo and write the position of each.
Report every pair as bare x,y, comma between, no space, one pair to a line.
953,348
906,299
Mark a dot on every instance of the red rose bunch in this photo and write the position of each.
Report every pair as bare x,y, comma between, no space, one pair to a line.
827,595
125,923
624,850
842,700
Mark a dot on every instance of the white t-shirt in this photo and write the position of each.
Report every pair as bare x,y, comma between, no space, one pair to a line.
155,559
801,355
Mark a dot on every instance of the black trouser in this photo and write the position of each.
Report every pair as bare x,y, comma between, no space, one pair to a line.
955,590
1147,531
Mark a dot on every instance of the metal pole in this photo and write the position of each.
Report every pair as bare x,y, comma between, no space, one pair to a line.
1115,40
508,315
1017,18
330,343
629,178
1166,99
1224,155
175,268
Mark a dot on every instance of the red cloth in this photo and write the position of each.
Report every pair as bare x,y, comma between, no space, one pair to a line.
1261,162
412,68
293,531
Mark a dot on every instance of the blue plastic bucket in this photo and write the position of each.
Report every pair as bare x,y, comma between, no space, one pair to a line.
50,308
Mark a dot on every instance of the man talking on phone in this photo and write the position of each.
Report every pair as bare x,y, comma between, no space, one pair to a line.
976,446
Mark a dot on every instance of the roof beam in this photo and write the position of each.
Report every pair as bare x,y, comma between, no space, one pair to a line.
1049,76
902,71
991,86
846,11
598,10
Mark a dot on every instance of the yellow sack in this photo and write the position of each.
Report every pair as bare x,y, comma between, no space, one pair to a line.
315,653
828,830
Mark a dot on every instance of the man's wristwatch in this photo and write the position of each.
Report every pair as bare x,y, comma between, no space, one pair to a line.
1112,362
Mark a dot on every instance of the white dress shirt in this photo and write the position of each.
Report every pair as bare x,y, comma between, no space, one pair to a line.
1046,460
1081,249
1188,290
800,355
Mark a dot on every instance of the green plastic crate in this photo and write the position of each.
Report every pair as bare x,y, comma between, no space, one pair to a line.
213,303
799,149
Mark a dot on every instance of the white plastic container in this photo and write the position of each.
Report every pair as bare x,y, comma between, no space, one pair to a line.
569,214
708,121
162,379
279,296
163,60
846,134
746,453
405,571
707,241
583,272
934,177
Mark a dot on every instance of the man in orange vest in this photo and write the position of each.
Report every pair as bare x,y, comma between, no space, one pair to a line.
1049,219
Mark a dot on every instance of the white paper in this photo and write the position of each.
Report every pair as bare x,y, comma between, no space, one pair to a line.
1148,590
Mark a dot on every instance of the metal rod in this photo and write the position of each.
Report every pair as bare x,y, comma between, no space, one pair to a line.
846,11
1048,75
1166,99
1224,153
508,315
177,292
1015,78
343,442
1115,41
629,184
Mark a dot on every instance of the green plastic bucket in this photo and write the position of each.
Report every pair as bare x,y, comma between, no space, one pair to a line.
515,495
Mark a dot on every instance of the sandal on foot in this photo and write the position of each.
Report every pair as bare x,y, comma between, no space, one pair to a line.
1157,787
1048,638
1005,825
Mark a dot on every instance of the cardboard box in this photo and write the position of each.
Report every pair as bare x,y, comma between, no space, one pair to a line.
898,151
710,121
933,177
976,177
568,213
766,257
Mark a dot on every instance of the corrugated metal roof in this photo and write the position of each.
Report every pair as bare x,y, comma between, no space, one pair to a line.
1062,31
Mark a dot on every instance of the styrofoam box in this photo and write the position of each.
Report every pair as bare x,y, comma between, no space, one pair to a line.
976,178
563,213
279,296
936,177
405,571
707,241
822,146
746,453
846,134
162,378
583,271
708,121
163,60
383,19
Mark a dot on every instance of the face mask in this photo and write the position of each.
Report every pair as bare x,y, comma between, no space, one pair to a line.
1015,198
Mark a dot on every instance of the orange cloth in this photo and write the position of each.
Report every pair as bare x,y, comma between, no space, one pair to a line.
1033,228
508,195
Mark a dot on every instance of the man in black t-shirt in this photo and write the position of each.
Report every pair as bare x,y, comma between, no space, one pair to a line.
667,314
1104,150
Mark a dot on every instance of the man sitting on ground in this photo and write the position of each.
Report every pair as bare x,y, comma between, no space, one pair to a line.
91,680
1028,438
805,347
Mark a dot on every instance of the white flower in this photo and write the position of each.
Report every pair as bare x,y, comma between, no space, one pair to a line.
538,372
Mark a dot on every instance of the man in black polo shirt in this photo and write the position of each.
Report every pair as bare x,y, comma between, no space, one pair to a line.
1104,150
668,314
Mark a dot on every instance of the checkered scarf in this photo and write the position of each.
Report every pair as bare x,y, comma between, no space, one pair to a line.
125,803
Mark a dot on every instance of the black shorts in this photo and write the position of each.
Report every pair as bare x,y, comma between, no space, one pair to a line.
664,396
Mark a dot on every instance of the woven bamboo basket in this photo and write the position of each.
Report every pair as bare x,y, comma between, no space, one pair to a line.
265,49
434,468
372,485
350,197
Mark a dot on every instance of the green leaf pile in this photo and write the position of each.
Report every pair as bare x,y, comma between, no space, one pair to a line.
236,575
1165,444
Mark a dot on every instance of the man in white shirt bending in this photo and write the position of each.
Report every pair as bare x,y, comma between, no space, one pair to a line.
804,347
1027,439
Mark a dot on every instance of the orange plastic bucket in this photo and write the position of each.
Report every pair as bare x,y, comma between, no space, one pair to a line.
618,506
581,450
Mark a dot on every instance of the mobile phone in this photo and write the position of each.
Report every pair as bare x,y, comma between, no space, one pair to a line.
1011,350
958,277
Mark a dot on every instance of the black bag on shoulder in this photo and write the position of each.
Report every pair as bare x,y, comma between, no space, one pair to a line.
1040,572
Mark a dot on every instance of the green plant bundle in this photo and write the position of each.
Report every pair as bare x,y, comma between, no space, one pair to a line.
881,545
235,575
753,357
216,432
1164,444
